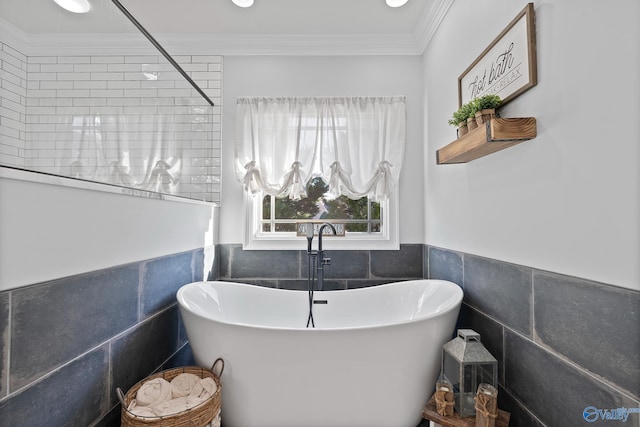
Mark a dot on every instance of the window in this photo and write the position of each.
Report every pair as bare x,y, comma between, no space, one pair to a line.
280,215
270,222
322,159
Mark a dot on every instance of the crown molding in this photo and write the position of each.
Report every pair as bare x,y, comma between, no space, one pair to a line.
87,45
292,44
228,44
13,36
213,44
429,22
74,43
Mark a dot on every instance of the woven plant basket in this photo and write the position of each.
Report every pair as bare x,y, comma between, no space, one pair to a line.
198,416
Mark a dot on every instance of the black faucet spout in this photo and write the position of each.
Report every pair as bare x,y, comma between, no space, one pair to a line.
321,231
322,260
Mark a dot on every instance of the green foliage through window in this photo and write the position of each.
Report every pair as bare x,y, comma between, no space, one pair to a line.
281,214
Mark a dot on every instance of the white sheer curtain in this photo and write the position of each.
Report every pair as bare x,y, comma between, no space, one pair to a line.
355,144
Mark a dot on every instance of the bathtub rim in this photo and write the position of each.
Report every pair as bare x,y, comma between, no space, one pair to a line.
453,306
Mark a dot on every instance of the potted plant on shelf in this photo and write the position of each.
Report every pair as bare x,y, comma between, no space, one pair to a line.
485,108
459,119
471,115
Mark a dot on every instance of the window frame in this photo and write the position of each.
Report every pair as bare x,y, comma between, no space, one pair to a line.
255,239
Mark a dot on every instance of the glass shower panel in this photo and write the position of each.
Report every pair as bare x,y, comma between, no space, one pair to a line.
106,106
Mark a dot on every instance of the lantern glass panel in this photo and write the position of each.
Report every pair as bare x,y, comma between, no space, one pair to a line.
451,369
487,374
476,374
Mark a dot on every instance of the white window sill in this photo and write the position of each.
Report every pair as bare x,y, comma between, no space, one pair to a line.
328,243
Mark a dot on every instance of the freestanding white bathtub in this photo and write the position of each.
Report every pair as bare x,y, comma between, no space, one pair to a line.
372,360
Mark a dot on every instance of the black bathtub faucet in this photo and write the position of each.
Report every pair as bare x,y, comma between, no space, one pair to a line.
316,262
322,260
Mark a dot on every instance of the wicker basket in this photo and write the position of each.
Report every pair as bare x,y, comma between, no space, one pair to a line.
197,416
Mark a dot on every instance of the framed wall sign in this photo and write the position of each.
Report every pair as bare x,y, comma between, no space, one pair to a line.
508,66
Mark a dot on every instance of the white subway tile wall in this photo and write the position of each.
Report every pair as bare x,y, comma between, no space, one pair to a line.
13,105
111,118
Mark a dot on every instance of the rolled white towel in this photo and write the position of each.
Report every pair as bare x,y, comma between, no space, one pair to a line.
170,407
141,411
202,390
182,385
153,392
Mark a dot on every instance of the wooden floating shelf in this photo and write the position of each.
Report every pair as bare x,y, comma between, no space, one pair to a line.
494,135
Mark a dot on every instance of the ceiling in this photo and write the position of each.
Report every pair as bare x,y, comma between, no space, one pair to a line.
362,24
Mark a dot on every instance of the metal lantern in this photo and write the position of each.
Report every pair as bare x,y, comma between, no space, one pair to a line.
466,364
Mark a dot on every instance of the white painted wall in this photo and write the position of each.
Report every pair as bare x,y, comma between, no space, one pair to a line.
569,200
52,231
326,76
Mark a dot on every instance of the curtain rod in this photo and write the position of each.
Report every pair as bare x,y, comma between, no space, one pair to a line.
161,49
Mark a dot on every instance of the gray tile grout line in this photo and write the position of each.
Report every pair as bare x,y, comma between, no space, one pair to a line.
9,335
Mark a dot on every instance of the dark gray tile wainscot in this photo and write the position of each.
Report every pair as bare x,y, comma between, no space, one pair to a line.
75,339
54,316
596,326
501,290
562,343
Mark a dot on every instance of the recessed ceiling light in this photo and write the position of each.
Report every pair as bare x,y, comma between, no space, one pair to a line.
396,3
75,6
243,3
